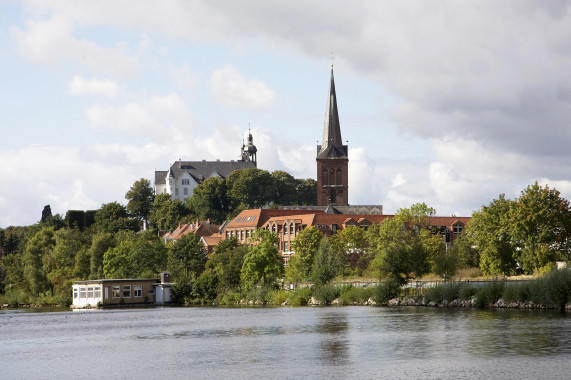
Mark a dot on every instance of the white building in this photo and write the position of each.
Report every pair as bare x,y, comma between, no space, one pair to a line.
184,176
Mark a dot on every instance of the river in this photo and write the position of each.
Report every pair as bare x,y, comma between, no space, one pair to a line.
286,343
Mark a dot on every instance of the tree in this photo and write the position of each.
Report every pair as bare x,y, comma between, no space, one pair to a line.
285,188
262,263
187,258
137,256
541,225
353,241
34,270
209,200
113,217
404,245
100,244
228,264
140,197
306,190
166,213
295,271
490,231
250,188
327,263
305,246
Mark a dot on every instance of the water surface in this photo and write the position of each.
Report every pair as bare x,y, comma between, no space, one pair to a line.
287,343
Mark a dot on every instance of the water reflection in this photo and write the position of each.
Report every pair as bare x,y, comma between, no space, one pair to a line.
333,344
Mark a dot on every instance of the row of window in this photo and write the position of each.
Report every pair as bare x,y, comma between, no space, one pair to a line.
331,177
242,219
240,234
87,292
116,291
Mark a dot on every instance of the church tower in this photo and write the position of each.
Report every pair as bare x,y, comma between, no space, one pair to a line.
332,158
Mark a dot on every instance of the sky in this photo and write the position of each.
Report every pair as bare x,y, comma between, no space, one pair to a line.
451,103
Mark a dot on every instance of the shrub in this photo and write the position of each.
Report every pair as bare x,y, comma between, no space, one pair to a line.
180,292
386,291
489,294
351,295
552,290
325,294
517,292
299,297
466,291
261,294
229,299
277,297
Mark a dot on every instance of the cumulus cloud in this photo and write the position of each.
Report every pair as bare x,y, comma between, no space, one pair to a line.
161,118
80,86
51,41
230,88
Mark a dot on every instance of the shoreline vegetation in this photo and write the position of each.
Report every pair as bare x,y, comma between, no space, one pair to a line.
551,291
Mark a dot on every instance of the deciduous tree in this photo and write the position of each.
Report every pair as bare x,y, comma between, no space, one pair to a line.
262,263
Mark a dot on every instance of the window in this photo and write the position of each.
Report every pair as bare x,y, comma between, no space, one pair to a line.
457,228
137,291
339,180
176,191
116,291
97,292
253,218
285,228
186,191
186,181
286,246
247,220
291,228
274,228
249,233
90,292
82,292
324,178
75,293
126,291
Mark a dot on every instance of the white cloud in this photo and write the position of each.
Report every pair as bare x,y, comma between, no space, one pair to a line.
230,88
80,86
161,118
51,41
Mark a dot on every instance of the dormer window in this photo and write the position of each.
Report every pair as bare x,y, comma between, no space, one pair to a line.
457,228
285,229
186,181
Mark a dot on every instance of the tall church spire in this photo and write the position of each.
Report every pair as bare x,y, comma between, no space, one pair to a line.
332,146
332,158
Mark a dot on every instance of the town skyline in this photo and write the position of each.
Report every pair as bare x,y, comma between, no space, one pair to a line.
450,105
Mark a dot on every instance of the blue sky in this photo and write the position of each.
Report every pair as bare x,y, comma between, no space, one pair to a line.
442,102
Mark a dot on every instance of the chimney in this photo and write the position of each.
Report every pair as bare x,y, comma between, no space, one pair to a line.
165,277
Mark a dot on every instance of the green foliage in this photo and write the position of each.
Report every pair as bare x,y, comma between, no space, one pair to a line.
351,295
180,292
205,286
518,292
463,249
443,292
262,294
553,289
37,251
328,262
385,291
113,217
285,188
325,294
262,262
277,297
140,196
229,298
210,200
100,243
353,241
306,190
489,294
228,264
305,246
404,245
137,256
250,188
75,219
166,213
490,231
299,297
295,270
187,258
445,265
